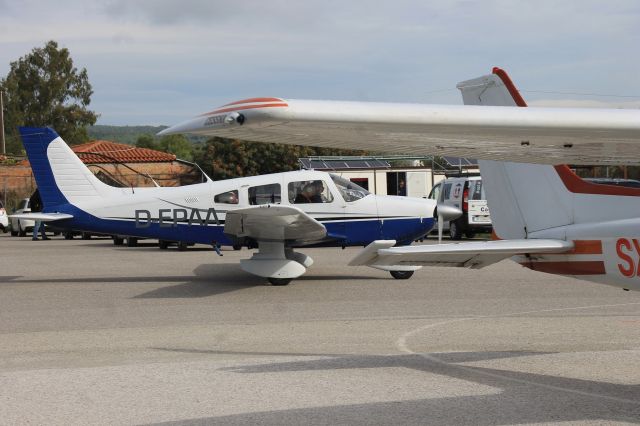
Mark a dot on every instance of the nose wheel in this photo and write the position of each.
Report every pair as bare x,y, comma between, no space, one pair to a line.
401,275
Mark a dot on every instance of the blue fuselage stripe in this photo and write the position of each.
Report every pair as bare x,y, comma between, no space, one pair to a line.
343,233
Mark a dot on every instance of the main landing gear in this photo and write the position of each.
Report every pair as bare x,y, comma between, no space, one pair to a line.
279,264
401,275
276,262
279,281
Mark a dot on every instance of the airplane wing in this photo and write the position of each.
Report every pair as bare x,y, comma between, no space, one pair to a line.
474,255
272,222
504,133
43,217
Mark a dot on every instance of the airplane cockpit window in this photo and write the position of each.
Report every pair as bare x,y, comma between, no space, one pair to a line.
229,197
349,190
264,194
309,191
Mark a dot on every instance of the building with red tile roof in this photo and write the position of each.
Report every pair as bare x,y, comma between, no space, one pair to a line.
100,152
114,163
120,164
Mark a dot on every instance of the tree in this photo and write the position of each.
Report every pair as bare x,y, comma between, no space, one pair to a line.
223,158
43,88
178,145
146,141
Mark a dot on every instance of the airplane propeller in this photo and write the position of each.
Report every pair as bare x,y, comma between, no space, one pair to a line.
444,213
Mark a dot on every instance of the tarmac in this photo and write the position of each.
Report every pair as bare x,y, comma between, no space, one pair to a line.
91,333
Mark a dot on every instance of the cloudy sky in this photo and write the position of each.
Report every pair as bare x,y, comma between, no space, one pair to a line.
162,61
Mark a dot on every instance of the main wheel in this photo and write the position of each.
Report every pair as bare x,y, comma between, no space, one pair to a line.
182,246
455,230
21,232
118,241
86,236
401,275
469,233
279,281
14,233
132,242
68,235
163,244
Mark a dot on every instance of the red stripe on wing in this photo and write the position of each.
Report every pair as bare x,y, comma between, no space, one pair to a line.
245,107
254,100
583,267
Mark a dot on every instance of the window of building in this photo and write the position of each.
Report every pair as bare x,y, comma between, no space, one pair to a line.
361,182
397,183
264,194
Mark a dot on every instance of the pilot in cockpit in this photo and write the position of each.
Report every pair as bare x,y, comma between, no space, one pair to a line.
311,193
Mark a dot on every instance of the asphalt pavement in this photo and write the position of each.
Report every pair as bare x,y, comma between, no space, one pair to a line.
91,333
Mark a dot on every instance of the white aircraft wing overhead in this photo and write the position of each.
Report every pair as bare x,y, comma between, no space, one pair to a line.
271,222
474,255
531,135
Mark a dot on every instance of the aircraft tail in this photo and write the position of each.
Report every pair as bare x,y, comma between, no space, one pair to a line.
534,197
62,178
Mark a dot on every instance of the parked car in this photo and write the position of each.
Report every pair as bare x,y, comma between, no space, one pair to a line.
467,194
20,227
4,219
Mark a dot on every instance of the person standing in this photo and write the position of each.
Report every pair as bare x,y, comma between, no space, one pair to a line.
35,204
402,189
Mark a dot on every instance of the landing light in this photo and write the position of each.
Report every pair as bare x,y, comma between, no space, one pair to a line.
234,117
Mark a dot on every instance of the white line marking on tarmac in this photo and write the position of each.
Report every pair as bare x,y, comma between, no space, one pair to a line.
402,345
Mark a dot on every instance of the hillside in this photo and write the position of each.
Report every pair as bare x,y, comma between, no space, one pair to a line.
129,134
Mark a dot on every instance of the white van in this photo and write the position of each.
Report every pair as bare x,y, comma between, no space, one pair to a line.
467,194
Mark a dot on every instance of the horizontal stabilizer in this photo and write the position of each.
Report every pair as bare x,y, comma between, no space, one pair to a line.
473,255
43,217
271,222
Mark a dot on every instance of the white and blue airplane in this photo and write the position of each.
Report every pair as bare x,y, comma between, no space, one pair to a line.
548,218
276,213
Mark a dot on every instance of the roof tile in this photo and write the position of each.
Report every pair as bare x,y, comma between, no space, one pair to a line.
109,152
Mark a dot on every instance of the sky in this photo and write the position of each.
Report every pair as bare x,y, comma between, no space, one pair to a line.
163,61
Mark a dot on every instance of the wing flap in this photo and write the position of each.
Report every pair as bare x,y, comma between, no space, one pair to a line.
472,255
272,222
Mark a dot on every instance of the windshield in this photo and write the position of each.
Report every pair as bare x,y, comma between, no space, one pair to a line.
349,190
